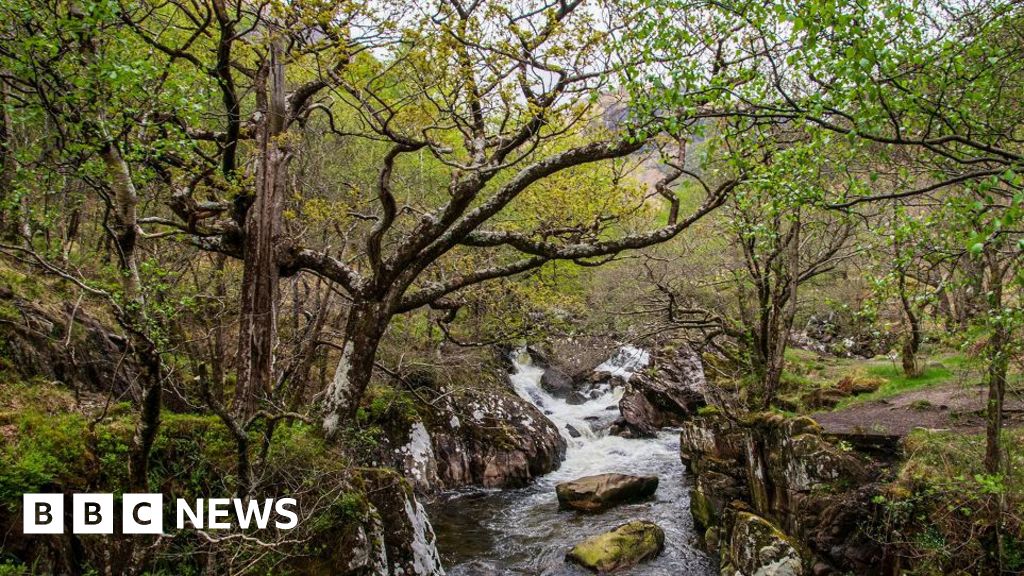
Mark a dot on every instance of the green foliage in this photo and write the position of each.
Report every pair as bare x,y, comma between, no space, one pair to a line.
45,451
942,508
10,568
386,403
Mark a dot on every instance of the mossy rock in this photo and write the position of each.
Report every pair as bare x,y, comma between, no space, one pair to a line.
823,398
765,420
855,384
619,549
702,510
802,425
757,547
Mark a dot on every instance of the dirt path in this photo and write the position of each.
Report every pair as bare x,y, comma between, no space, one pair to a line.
948,406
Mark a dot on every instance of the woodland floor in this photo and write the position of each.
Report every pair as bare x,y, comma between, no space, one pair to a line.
950,406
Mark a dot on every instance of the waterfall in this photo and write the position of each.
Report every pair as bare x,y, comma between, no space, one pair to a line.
522,531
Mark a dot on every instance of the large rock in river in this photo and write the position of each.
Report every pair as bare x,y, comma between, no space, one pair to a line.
597,493
667,394
623,547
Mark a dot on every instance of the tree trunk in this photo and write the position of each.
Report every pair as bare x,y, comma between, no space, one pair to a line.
219,354
912,341
364,329
7,167
297,380
125,226
258,325
970,297
998,363
783,311
126,229
149,414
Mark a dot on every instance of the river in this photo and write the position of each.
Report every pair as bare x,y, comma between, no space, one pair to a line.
522,531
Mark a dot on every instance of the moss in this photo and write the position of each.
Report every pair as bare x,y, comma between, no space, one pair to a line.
803,425
702,509
42,450
8,568
765,420
387,403
620,548
24,285
709,410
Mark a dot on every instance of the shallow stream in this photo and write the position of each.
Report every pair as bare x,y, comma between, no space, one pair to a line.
522,531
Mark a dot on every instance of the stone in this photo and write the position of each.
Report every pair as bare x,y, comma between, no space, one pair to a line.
859,385
459,443
573,432
409,544
557,382
826,398
765,471
758,548
621,548
668,394
603,491
821,569
95,357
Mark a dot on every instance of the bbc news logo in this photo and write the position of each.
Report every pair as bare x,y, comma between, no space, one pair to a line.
144,513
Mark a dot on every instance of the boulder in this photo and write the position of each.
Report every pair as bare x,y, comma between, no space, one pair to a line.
667,395
400,539
763,482
477,433
569,364
492,438
597,493
823,398
758,548
557,382
859,385
621,548
90,356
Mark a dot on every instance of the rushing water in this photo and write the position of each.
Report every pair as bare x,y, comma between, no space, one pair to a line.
522,532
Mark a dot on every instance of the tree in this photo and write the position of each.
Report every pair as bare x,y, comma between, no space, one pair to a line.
494,109
947,84
778,238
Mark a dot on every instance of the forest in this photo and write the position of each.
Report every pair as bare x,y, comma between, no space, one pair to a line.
514,287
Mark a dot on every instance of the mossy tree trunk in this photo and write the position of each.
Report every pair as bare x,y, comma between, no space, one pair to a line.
257,335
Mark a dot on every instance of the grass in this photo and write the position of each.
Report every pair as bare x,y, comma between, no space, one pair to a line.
898,383
807,371
939,457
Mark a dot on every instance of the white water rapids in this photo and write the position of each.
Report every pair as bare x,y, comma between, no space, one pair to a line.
522,531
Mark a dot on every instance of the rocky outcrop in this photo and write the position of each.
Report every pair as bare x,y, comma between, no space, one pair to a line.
830,333
493,438
619,549
390,534
767,471
569,365
557,382
601,492
39,343
666,394
478,433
